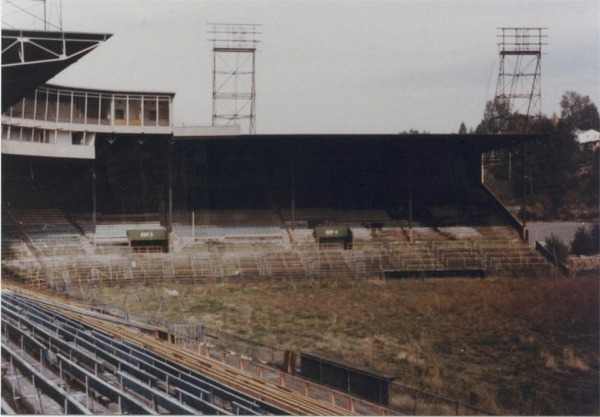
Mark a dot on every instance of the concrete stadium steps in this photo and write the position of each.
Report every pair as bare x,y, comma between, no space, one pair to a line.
425,234
361,236
198,247
327,264
9,222
243,233
13,245
85,222
306,217
68,275
14,248
515,258
460,232
414,257
231,218
498,233
304,236
465,259
48,231
480,212
385,233
281,265
496,256
493,250
116,233
112,249
28,271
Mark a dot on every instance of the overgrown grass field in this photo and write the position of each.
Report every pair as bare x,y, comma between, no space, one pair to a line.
511,346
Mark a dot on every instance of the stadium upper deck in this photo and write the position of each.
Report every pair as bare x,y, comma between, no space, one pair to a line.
54,121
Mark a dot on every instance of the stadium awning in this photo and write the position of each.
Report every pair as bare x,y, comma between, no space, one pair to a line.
32,57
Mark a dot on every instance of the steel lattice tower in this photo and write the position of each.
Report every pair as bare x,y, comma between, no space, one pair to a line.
518,99
234,75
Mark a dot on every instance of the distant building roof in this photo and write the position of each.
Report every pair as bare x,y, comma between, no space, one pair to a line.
587,136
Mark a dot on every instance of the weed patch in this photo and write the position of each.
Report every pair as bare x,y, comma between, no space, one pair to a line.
512,346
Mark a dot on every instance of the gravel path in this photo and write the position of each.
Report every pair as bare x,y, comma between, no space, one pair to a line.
564,230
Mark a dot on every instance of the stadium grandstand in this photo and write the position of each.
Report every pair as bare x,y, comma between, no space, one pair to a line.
101,188
97,177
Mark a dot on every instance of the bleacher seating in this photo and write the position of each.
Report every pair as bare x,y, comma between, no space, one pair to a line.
258,226
250,263
249,245
47,230
84,222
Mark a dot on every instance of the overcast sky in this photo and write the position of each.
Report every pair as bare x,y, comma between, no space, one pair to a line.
331,66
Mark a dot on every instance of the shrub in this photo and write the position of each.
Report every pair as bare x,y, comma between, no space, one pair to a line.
537,209
586,241
557,247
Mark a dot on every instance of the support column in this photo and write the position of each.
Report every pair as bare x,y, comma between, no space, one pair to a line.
57,106
72,105
293,196
170,183
524,232
94,201
35,104
410,202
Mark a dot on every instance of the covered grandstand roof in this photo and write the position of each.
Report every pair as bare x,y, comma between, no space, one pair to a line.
479,142
32,57
107,91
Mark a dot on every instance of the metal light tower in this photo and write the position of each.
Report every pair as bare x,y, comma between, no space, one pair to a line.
518,100
48,14
234,70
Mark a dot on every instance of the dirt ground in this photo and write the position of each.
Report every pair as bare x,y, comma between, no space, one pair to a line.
511,346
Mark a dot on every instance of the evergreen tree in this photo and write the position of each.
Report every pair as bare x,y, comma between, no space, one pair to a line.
585,242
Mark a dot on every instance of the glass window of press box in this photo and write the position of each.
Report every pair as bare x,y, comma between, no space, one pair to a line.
94,108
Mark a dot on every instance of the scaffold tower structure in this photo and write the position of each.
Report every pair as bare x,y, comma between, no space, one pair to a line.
234,74
518,99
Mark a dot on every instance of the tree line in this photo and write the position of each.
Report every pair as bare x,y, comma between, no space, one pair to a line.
562,180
